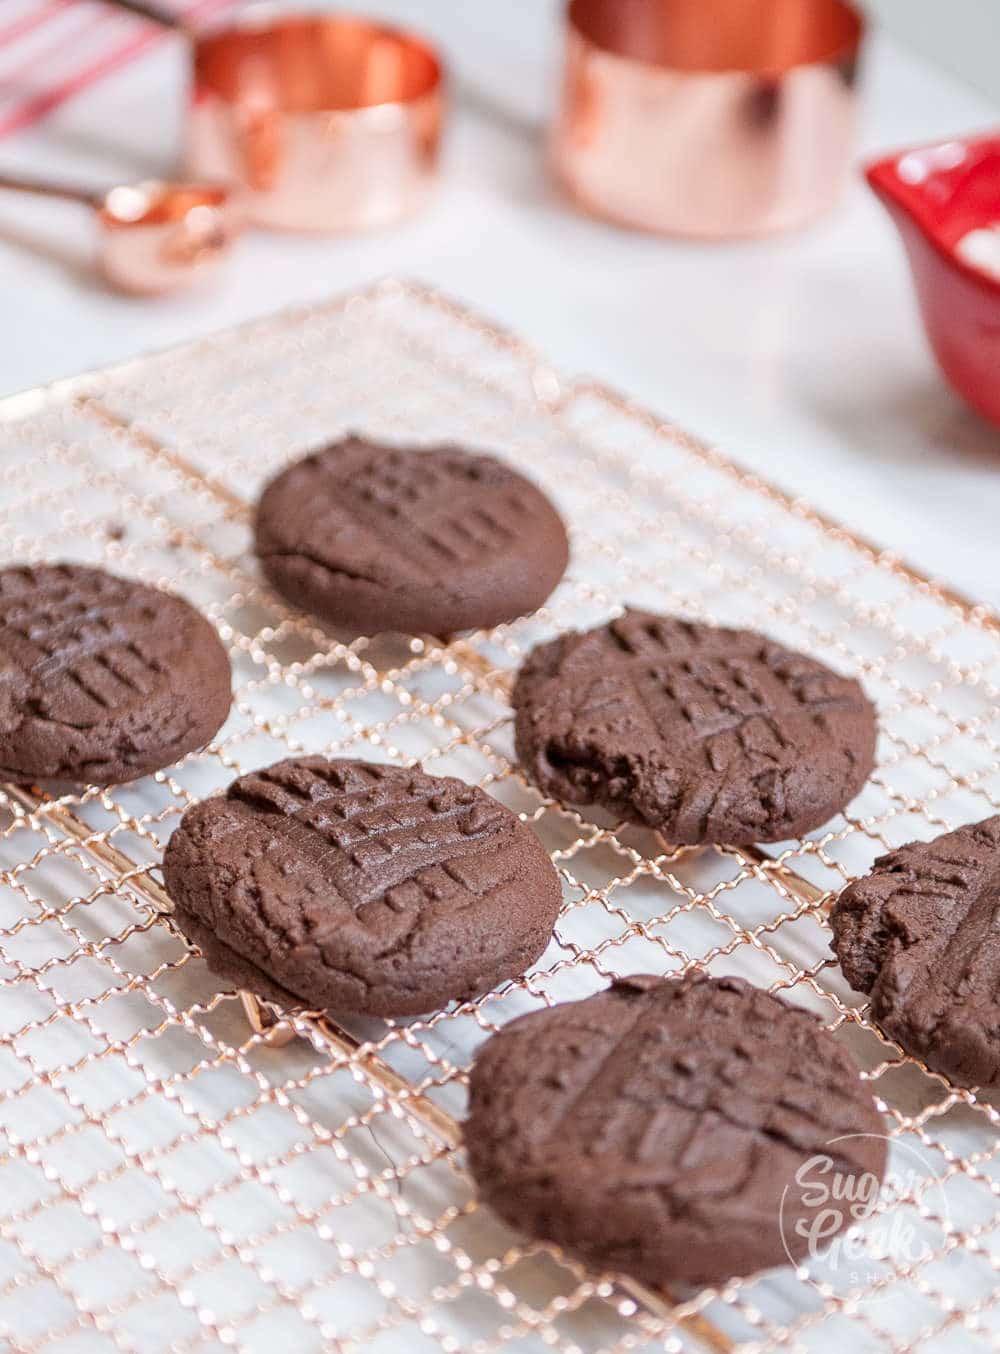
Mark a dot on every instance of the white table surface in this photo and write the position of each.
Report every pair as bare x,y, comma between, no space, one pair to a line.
801,356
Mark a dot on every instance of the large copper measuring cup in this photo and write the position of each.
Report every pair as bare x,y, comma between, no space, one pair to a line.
708,118
326,122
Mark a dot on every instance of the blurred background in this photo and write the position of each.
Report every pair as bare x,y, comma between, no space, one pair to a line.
802,354
963,36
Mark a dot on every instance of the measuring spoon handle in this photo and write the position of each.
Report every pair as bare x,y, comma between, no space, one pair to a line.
71,192
144,10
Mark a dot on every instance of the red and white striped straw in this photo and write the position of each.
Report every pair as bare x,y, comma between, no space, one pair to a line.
51,50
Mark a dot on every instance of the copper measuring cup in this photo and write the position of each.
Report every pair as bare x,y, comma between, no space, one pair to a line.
325,122
708,118
154,237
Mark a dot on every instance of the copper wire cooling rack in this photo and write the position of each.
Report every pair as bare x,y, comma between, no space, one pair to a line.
184,1171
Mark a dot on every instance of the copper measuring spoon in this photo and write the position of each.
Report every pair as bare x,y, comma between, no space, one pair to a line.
154,237
325,122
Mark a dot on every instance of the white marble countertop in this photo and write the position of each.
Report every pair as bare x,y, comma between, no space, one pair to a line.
800,356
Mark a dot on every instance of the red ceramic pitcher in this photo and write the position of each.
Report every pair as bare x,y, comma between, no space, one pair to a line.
936,195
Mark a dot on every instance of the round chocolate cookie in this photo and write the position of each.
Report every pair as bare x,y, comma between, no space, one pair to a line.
708,735
667,1128
102,679
386,538
920,936
360,888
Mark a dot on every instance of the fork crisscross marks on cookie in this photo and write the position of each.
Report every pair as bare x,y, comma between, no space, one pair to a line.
388,538
658,1127
361,887
921,935
102,679
437,495
710,735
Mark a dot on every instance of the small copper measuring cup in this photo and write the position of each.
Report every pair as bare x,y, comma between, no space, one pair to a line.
154,237
710,118
326,122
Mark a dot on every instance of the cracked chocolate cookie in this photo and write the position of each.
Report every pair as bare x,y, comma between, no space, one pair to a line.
921,935
667,1128
706,734
378,538
363,888
102,679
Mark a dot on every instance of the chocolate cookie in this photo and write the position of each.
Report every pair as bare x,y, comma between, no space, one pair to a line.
666,1128
102,679
921,935
709,735
360,888
386,538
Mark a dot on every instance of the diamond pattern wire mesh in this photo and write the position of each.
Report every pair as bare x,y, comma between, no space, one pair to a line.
176,1177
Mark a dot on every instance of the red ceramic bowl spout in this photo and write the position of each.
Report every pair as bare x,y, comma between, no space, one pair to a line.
936,195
